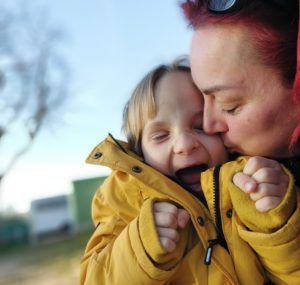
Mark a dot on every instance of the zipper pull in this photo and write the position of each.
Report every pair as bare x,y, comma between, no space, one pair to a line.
209,250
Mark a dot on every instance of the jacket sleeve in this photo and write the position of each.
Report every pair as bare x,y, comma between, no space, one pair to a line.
274,235
151,243
115,253
279,251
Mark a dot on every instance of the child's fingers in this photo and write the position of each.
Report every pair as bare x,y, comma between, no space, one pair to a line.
244,182
267,190
168,233
169,216
167,243
264,180
183,218
165,207
165,215
257,162
270,175
267,203
165,220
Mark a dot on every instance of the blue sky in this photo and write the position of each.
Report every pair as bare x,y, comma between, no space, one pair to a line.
110,45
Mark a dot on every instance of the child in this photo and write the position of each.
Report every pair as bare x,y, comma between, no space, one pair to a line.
154,225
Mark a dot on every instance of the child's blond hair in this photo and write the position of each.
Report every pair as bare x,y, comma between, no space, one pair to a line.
141,106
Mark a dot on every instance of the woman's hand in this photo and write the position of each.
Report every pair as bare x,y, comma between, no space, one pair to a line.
168,219
264,180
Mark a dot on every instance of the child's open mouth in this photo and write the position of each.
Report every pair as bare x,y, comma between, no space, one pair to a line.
191,175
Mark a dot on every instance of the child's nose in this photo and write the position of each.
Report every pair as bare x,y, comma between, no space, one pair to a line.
186,143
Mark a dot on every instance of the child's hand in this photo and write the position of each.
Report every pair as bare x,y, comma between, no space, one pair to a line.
264,180
168,219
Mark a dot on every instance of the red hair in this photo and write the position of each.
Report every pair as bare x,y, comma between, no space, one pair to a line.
274,34
296,133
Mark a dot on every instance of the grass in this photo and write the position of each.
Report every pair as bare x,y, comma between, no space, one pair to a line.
52,263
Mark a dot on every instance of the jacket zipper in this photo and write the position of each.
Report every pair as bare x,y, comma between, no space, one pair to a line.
217,213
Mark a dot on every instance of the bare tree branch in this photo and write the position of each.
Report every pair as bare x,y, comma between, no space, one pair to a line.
33,75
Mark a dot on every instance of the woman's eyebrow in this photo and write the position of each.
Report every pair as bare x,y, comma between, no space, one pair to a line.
216,88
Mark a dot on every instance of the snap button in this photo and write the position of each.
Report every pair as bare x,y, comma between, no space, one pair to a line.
201,221
229,214
97,155
136,169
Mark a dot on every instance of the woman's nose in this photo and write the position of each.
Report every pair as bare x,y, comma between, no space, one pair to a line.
186,143
213,121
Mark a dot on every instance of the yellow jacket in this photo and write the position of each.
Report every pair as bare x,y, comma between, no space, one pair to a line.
125,249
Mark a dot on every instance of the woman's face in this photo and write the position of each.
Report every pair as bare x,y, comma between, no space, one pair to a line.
245,100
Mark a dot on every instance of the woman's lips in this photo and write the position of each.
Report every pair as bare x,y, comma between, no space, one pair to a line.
230,149
229,146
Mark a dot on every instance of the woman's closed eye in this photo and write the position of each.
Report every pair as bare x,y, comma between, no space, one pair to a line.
231,104
231,110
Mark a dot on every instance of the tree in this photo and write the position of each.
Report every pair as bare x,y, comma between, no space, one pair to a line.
33,76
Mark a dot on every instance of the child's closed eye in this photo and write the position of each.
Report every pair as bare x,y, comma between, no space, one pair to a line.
159,136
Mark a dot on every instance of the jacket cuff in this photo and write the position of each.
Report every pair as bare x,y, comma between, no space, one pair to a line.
267,222
150,239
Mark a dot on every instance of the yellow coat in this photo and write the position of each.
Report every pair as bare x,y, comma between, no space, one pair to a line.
125,249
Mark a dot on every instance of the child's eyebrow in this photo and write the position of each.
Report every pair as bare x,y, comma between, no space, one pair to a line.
157,125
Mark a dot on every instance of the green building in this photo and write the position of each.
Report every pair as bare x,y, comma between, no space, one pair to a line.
81,200
13,230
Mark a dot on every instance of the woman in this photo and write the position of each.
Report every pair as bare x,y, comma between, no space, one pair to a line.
244,60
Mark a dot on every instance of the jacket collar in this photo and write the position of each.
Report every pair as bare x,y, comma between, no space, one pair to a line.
111,153
116,155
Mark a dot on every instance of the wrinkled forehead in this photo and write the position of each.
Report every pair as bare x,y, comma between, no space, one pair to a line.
231,40
218,46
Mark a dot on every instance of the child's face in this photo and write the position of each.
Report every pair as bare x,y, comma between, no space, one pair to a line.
173,142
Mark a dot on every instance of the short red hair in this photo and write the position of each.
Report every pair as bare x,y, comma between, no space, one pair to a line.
275,35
